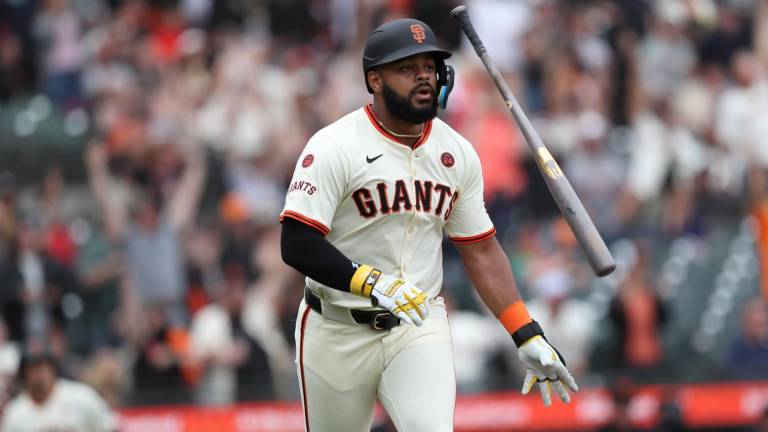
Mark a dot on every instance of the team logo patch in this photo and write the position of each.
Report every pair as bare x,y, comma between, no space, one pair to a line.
418,33
308,159
447,159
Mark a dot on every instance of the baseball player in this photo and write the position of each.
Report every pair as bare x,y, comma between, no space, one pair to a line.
365,213
49,403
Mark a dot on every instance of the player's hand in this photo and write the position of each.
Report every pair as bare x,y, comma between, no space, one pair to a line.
545,366
403,299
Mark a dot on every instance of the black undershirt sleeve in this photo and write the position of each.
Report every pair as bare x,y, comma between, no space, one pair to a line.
305,249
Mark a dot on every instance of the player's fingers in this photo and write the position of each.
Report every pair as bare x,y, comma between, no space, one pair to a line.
530,380
410,312
414,306
404,317
420,298
546,392
400,312
424,307
566,377
559,388
415,317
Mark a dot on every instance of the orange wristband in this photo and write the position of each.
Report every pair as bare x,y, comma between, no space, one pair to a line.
515,316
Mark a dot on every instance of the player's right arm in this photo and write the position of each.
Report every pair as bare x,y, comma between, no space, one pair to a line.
314,193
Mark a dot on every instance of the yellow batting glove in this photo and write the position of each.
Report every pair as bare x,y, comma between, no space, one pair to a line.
403,299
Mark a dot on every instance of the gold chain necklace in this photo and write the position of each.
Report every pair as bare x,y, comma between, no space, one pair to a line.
395,134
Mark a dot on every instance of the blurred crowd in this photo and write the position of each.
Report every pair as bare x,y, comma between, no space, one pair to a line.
160,280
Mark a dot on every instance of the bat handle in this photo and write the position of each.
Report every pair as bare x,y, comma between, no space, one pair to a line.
461,16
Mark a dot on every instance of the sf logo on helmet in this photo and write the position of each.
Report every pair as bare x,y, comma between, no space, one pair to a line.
418,33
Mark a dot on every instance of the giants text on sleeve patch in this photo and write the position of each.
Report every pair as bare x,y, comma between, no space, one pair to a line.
301,185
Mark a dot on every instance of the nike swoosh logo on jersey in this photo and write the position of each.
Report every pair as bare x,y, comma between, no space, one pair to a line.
373,159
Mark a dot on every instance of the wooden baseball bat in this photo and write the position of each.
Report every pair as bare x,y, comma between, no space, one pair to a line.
569,203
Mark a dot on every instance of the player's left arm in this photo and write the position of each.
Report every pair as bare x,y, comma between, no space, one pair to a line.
488,268
472,231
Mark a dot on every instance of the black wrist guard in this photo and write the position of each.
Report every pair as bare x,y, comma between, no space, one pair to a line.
530,330
526,332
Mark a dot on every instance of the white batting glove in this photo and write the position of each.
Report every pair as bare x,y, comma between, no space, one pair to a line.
403,299
545,366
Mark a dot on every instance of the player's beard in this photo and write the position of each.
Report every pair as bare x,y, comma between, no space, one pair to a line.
402,108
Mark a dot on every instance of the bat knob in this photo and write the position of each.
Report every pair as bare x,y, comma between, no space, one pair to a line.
457,11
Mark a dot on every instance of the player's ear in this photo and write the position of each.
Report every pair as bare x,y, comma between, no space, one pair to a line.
374,81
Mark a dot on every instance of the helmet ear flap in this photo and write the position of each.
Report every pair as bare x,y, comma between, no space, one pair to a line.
445,79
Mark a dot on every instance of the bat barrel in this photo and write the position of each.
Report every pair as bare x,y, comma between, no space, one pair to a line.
568,202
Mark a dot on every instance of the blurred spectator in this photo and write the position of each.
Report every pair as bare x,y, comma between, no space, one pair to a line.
51,403
760,214
500,24
44,281
671,416
233,362
748,353
18,47
569,322
242,114
53,209
58,30
159,375
638,314
151,225
622,390
12,78
10,278
10,357
729,35
665,155
694,101
624,91
106,373
473,356
497,142
762,423
267,310
744,98
666,54
99,270
591,156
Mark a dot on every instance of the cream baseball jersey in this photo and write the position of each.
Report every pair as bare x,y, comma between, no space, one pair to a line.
385,204
71,407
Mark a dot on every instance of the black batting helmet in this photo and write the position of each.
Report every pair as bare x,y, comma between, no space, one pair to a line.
403,38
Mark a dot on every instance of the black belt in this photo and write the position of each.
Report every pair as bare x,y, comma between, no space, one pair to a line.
377,319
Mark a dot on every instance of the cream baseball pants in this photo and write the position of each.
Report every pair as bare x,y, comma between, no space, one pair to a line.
344,367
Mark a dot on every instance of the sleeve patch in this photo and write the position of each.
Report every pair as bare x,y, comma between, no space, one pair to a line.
307,161
302,185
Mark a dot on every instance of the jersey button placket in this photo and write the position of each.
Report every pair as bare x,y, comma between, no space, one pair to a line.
409,229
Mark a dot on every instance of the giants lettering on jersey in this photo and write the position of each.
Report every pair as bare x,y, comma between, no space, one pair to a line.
302,185
430,197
